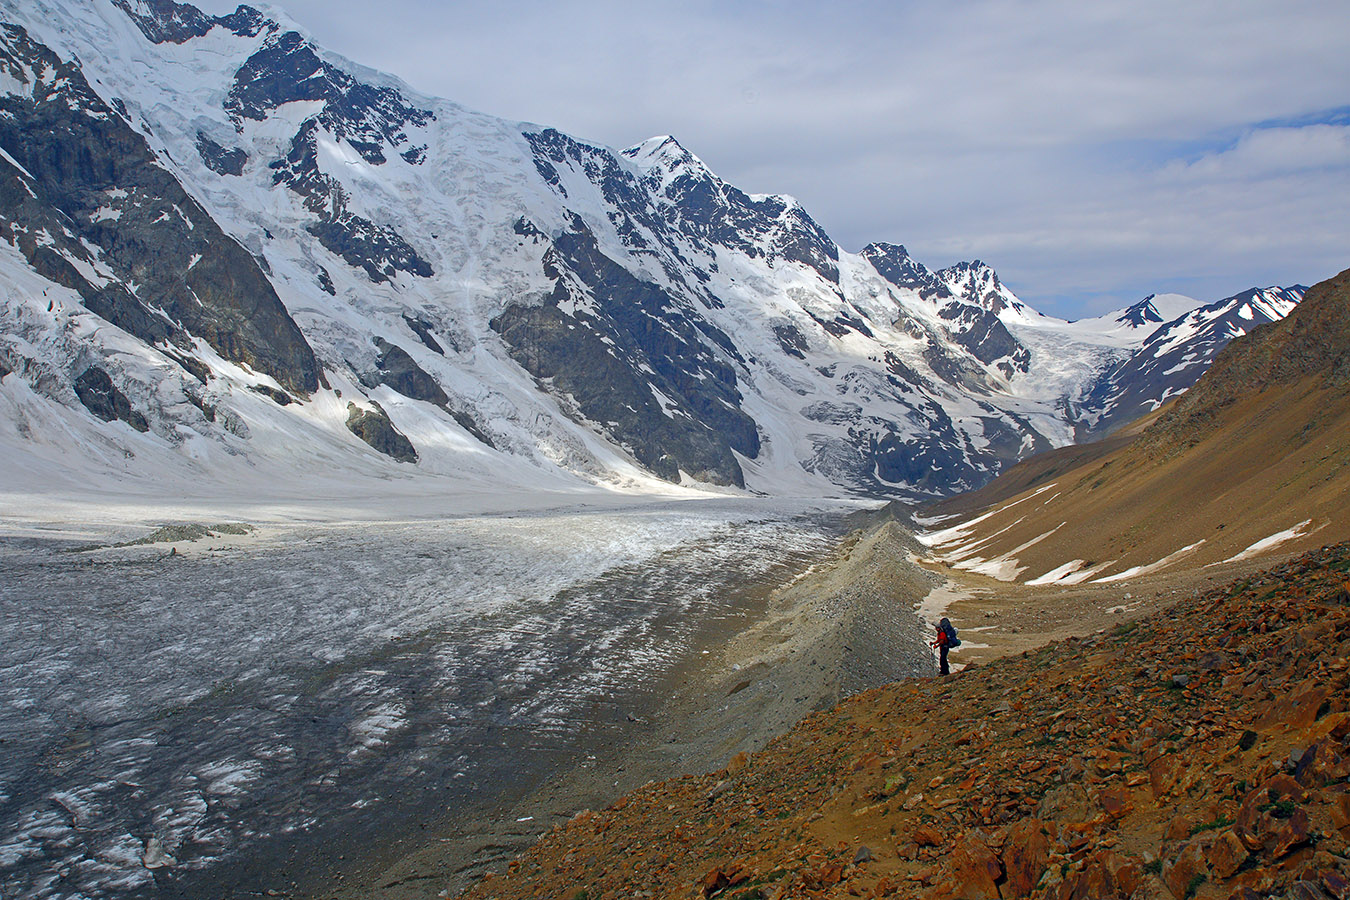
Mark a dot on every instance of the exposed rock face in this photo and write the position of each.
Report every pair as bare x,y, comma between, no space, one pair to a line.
986,337
972,319
422,328
101,397
711,212
219,159
374,427
403,374
90,181
655,377
165,21
378,249
893,262
370,119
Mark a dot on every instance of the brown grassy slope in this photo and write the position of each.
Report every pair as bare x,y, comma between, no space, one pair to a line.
1312,342
1259,445
1042,468
1202,753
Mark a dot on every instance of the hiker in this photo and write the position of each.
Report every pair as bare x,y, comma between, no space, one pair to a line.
945,640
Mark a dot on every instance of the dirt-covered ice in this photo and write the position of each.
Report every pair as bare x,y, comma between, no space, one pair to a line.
252,697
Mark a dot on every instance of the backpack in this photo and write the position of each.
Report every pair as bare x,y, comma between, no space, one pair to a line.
950,632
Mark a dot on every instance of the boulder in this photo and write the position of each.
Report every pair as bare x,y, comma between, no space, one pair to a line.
927,836
1024,857
975,870
375,428
1227,854
1182,871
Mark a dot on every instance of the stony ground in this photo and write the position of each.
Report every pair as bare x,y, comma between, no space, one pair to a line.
1200,752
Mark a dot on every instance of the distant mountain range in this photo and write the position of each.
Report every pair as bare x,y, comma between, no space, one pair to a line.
233,257
1255,458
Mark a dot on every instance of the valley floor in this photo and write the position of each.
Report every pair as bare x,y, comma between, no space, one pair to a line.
274,696
840,626
1199,753
1190,739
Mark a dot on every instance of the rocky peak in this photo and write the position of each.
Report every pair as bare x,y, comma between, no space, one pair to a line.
1141,313
668,155
164,21
288,68
893,263
771,226
977,283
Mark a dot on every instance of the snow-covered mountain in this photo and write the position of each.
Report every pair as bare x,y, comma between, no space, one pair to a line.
229,254
1176,354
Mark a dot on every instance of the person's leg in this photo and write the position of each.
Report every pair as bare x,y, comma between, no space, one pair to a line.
942,661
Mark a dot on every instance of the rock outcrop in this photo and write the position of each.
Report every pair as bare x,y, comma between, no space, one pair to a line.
91,208
375,428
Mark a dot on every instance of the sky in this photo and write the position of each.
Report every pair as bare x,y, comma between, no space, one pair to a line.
1092,152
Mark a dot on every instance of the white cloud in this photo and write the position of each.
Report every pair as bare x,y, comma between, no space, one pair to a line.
1268,152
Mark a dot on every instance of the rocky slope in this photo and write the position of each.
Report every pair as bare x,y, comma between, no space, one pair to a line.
287,266
1251,459
1204,752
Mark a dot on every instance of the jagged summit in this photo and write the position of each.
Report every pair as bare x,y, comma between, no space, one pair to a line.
978,284
893,262
1156,309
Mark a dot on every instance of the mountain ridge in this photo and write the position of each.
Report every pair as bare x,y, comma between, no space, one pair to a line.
1250,460
736,343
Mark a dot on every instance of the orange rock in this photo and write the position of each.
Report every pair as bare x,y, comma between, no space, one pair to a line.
1299,711
722,877
927,836
1128,878
1226,855
975,870
1179,873
1024,857
1178,828
1340,812
1115,802
1092,882
1286,834
1162,774
831,874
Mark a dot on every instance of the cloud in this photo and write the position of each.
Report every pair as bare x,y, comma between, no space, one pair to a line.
1268,152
